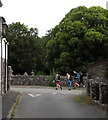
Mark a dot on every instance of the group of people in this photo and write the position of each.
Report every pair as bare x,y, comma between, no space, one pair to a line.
75,80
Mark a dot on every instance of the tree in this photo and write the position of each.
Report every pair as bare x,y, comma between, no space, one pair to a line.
79,39
23,56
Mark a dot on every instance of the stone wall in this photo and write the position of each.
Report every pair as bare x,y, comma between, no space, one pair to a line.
29,80
98,71
42,80
97,81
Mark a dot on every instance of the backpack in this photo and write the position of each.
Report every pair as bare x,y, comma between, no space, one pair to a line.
58,77
78,75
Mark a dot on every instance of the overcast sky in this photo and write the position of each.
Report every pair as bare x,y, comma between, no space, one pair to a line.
42,14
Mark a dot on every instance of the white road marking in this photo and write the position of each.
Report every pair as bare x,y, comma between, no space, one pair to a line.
31,95
54,93
38,94
34,95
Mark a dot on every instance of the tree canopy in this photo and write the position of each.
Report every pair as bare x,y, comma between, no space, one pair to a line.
23,48
80,38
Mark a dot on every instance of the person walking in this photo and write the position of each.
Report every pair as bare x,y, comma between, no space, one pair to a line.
57,81
81,79
78,77
69,80
75,79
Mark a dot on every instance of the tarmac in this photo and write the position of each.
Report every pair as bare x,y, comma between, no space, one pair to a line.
7,101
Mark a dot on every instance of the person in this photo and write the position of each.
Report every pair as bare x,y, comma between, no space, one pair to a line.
78,77
57,81
81,79
75,79
69,80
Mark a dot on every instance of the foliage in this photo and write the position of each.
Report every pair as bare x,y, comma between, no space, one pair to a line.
23,48
80,38
52,79
40,73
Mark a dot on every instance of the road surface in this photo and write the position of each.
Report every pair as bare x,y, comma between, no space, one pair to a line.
51,103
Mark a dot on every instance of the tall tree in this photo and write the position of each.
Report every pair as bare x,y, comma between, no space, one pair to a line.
80,38
23,48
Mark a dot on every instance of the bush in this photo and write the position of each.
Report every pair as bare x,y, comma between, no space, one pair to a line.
52,79
40,73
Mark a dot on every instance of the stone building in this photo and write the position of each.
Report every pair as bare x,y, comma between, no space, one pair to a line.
3,57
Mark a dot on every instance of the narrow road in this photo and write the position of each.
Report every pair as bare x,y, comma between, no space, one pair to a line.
50,103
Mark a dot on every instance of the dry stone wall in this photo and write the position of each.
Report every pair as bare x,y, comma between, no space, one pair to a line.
29,80
97,81
41,80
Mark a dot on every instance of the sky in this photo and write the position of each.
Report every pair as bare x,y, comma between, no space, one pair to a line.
42,14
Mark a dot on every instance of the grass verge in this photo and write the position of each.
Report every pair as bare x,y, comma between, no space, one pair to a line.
84,99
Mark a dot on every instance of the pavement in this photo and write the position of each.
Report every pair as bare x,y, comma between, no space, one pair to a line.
7,101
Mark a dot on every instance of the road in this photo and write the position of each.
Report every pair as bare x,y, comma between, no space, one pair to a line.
51,103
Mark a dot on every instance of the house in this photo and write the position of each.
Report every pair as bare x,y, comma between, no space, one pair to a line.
3,57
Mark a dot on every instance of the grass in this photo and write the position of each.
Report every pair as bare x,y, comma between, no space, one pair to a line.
16,103
84,99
